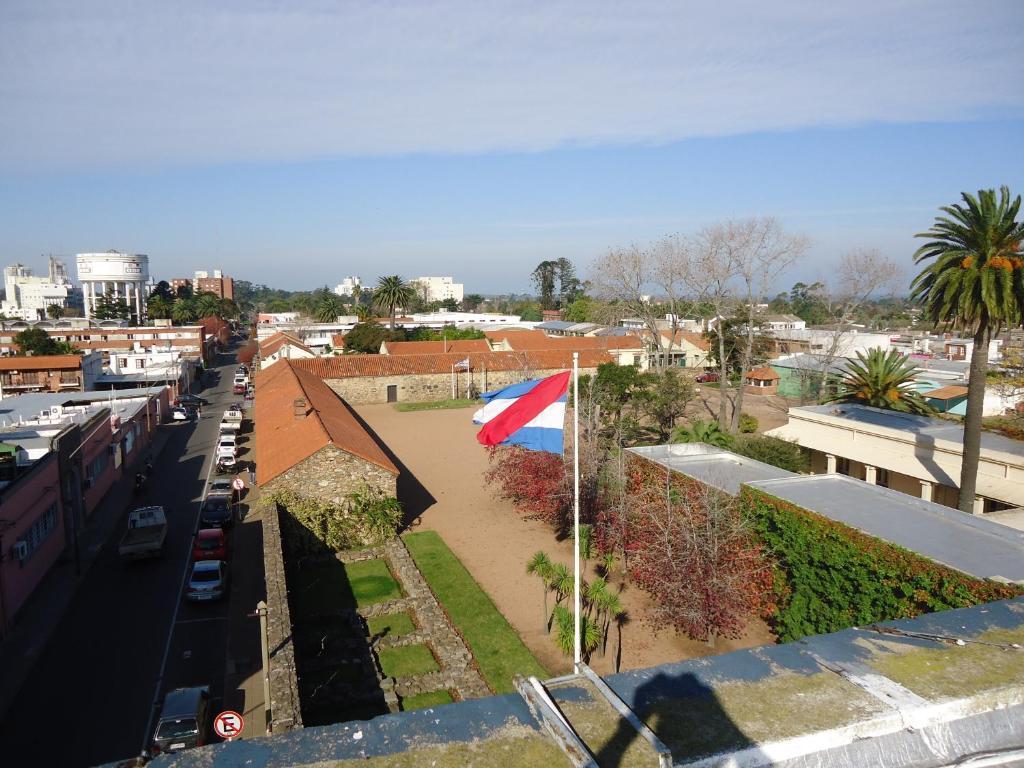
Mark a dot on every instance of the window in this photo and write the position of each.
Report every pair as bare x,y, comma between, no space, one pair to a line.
122,362
40,531
140,363
96,468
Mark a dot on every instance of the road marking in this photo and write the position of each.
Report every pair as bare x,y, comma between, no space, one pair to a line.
177,607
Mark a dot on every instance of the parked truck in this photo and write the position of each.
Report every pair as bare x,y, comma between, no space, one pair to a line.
147,529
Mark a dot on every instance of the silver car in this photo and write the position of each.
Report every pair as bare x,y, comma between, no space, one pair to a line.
208,581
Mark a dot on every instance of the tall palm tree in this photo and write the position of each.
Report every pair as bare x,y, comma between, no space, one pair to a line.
183,311
158,307
392,292
364,314
703,432
540,565
208,305
974,281
328,307
882,380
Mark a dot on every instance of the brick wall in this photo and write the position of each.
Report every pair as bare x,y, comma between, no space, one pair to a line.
425,388
331,475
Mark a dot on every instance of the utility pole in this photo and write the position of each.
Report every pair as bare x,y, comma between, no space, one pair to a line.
261,611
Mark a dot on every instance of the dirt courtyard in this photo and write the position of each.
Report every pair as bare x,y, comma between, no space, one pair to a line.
446,490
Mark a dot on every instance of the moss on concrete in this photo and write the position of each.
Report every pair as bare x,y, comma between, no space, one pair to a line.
511,748
954,671
739,715
610,738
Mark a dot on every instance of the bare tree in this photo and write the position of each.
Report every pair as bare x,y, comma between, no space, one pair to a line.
631,276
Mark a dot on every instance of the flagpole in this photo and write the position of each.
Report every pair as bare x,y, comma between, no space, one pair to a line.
577,656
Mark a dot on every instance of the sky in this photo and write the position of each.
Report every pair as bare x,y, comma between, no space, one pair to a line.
294,143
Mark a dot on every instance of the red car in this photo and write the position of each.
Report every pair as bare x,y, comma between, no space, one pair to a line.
706,378
210,544
238,389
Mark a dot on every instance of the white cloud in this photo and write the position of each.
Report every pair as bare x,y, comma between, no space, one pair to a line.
114,83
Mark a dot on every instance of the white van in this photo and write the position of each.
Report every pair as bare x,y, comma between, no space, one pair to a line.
227,444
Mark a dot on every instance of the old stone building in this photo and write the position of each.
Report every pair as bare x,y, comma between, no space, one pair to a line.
310,442
364,379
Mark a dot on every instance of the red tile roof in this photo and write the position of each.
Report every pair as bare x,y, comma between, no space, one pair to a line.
40,363
338,341
352,366
538,340
283,440
457,346
762,374
273,343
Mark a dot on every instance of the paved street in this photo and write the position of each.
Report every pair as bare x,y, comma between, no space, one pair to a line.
90,697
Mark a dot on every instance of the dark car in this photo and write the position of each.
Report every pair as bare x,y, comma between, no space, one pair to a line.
210,544
187,399
217,512
184,720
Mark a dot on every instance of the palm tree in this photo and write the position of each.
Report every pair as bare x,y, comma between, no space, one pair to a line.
586,544
54,311
882,380
392,292
364,314
607,606
975,281
540,565
208,305
703,432
183,311
327,309
590,634
228,308
158,307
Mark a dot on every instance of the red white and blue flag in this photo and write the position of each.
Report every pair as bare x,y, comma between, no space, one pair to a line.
530,414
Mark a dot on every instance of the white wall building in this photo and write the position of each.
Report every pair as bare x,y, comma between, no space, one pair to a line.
28,296
348,285
437,288
123,276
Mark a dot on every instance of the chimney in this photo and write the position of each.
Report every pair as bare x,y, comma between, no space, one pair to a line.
299,407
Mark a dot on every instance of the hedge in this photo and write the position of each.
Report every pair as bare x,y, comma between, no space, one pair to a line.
829,576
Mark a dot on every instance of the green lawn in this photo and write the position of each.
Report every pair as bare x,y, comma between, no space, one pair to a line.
390,625
371,582
425,700
437,404
498,650
407,661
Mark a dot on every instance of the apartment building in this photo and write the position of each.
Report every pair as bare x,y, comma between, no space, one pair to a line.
50,373
215,282
437,288
113,338
27,296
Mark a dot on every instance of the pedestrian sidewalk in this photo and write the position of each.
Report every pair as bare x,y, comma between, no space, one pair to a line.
39,617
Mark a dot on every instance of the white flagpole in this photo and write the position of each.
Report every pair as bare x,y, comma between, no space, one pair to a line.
577,656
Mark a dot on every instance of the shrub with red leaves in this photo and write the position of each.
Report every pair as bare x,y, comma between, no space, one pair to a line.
535,481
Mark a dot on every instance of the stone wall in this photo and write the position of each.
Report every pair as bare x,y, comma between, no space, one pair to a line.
425,388
331,475
285,713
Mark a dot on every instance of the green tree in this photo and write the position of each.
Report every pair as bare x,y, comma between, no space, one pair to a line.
471,301
158,307
565,629
543,278
579,311
531,313
54,311
328,308
974,280
367,337
229,309
703,432
772,450
207,305
35,341
540,566
669,391
110,308
163,290
392,292
882,380
183,311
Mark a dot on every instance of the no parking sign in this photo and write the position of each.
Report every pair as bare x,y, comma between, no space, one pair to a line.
228,724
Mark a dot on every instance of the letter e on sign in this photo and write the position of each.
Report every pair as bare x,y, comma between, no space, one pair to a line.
228,725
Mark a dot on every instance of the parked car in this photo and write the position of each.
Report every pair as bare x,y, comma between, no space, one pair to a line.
210,544
217,512
227,443
238,389
222,486
184,720
707,377
208,581
226,463
189,399
180,414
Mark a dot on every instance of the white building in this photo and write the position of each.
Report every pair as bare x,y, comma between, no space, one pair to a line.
437,288
28,296
348,285
122,276
140,367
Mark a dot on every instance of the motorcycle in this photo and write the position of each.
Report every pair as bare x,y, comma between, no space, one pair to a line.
140,482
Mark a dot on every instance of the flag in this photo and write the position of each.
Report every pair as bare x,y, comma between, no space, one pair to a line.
462,365
530,414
